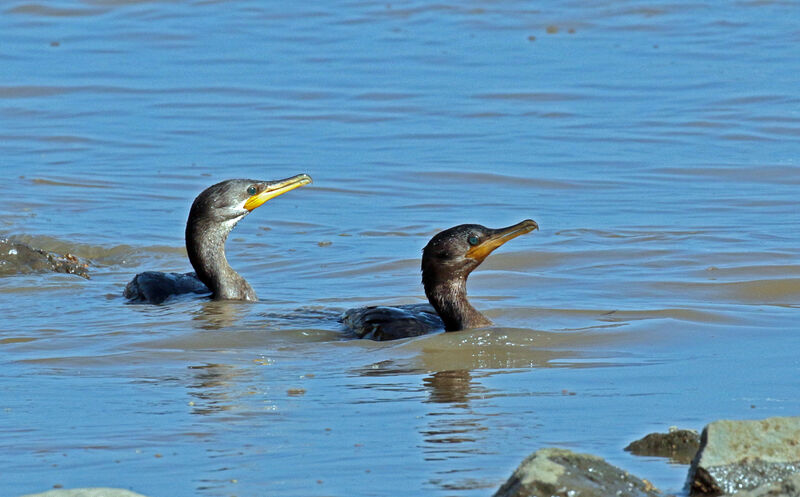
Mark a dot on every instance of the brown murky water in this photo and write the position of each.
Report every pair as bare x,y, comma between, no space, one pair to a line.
655,144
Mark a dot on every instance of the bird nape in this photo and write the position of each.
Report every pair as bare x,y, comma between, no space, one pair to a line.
447,260
213,215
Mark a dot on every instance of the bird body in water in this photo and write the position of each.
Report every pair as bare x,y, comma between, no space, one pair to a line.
213,215
447,261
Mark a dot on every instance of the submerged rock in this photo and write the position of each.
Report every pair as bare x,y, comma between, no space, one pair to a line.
680,446
563,473
743,455
17,257
87,492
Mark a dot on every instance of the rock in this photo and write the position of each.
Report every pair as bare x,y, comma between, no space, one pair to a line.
562,473
743,455
680,446
789,487
87,492
17,257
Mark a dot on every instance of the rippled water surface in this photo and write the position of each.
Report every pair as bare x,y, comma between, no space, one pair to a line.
656,144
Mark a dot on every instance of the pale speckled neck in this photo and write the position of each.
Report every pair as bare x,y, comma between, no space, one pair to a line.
205,244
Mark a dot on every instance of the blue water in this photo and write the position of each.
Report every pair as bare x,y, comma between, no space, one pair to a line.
656,145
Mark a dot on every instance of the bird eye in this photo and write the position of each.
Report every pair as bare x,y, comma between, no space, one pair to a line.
472,240
252,190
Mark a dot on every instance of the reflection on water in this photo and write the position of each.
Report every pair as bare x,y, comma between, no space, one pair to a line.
212,388
455,431
655,144
224,390
216,315
450,387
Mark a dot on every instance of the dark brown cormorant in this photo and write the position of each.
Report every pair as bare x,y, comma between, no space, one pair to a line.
447,261
213,215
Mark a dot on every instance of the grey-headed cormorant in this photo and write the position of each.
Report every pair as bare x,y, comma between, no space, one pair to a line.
213,215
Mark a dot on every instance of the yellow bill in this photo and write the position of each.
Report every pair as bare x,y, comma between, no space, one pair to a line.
272,189
500,236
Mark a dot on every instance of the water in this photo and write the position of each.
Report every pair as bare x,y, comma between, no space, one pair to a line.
655,144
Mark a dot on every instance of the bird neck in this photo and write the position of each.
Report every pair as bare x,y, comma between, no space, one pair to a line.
449,298
205,244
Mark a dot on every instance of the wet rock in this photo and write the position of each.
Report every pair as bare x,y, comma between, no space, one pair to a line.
562,473
17,257
743,455
789,487
680,446
87,492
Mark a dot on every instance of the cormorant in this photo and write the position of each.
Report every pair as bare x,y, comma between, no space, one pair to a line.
213,215
447,261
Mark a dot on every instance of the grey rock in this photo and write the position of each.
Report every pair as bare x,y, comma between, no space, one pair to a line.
680,446
743,455
18,257
789,487
87,492
562,473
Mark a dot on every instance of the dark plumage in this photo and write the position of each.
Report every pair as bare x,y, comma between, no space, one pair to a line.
392,322
447,261
213,215
154,287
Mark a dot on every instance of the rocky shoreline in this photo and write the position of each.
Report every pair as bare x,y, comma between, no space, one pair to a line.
759,458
